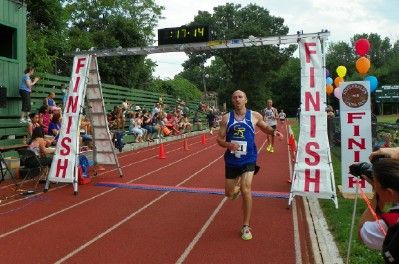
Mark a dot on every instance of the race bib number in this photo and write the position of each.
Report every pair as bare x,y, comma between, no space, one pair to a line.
242,148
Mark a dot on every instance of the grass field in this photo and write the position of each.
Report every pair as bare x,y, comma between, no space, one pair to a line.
339,220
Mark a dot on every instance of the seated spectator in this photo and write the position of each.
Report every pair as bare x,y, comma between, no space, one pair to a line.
55,126
147,125
135,127
40,147
86,139
171,123
156,109
157,124
45,118
197,122
34,122
49,100
184,124
112,118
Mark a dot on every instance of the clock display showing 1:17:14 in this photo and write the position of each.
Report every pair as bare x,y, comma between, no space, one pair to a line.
185,32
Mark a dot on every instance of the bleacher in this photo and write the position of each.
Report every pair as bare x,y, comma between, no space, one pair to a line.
12,132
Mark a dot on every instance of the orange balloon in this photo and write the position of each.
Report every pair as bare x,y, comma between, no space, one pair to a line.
362,65
338,80
329,89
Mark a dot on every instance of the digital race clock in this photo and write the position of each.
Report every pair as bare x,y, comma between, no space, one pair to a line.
183,35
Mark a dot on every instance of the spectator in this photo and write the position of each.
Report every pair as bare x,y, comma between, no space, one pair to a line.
34,122
147,125
135,127
44,118
25,90
64,90
86,139
184,108
49,100
40,147
55,126
197,122
386,186
184,124
156,109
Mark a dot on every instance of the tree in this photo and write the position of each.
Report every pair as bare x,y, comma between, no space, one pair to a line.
46,26
248,69
110,24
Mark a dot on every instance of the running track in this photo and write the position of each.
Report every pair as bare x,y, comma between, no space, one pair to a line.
121,225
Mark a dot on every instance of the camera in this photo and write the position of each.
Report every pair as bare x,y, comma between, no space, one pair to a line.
364,169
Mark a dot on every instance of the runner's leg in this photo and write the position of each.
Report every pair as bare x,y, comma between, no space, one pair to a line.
246,183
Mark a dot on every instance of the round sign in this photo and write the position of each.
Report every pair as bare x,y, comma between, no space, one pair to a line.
355,95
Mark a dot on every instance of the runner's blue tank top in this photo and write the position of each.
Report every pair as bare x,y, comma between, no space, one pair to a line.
243,133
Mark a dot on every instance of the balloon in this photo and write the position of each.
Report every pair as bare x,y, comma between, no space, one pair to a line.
329,80
362,65
337,93
338,80
327,73
329,89
373,82
362,46
341,71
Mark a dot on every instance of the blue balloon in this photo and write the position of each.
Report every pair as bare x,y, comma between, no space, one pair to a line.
329,80
373,82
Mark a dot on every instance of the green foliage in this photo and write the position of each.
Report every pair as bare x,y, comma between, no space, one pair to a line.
179,87
249,69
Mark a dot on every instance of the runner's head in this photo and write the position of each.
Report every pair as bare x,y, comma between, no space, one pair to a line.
269,103
239,99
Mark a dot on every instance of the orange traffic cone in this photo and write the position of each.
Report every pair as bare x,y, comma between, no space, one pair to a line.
185,145
203,139
161,152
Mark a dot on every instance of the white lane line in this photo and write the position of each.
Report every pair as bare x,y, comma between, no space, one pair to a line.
297,240
96,196
191,246
109,230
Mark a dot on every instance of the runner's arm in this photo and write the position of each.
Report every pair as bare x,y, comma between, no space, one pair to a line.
221,138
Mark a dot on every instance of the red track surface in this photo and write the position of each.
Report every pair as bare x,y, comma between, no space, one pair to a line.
116,225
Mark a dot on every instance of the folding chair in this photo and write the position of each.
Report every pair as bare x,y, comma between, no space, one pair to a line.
31,168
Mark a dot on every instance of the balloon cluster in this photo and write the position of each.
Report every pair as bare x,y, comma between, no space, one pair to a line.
363,64
362,47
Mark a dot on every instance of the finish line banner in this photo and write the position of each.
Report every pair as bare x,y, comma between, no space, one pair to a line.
356,140
63,167
313,174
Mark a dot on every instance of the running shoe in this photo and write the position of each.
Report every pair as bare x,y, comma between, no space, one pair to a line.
269,147
271,150
246,232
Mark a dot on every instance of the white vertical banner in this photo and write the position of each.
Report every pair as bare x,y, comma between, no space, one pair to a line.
313,173
63,167
356,139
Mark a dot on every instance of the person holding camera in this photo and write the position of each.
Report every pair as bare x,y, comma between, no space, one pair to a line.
381,234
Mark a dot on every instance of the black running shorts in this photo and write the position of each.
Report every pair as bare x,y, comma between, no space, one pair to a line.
234,172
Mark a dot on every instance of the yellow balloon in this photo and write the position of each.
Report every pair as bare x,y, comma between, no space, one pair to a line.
341,71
